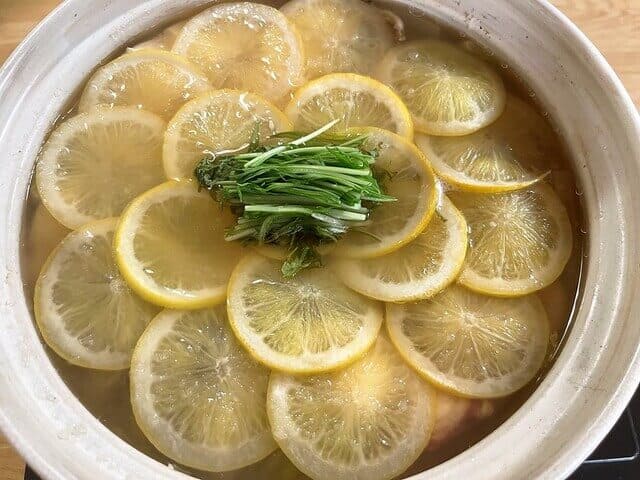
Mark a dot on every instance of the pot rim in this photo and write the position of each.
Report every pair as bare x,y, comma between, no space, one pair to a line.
560,466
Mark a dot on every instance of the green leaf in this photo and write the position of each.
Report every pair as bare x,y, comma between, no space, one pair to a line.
302,257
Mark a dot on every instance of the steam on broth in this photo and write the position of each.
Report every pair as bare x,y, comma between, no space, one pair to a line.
329,239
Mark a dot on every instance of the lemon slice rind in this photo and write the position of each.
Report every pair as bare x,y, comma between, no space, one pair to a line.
320,23
512,153
259,23
50,170
396,158
446,57
187,79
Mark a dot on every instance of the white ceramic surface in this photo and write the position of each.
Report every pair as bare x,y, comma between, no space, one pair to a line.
588,386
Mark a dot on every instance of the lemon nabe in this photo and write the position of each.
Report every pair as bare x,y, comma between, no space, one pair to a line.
245,46
306,324
519,242
513,153
471,344
356,100
218,121
84,309
417,270
189,362
284,242
149,79
95,163
340,35
369,421
405,174
170,247
447,90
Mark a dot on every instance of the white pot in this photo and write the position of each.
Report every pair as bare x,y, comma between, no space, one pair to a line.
591,381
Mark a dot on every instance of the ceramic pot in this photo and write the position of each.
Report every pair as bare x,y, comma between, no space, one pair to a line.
594,376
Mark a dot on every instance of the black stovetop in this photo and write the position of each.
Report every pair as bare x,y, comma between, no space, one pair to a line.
617,457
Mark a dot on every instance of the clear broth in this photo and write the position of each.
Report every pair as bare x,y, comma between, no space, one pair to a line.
106,394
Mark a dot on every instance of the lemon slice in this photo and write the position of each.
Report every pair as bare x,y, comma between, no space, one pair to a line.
369,421
519,241
406,175
163,40
245,46
471,344
84,309
356,100
418,270
197,395
222,120
170,247
95,163
340,35
306,324
150,79
448,91
510,154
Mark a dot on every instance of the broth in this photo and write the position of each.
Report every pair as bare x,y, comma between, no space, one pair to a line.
106,394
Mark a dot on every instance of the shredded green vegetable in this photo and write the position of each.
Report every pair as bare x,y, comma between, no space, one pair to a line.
296,190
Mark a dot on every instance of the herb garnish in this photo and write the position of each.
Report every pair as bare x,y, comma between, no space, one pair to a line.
296,190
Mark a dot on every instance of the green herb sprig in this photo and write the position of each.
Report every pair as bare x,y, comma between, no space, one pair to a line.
296,190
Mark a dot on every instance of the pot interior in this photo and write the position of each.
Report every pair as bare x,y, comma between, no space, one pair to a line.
106,394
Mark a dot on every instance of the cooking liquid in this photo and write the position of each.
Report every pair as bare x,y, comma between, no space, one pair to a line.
106,394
